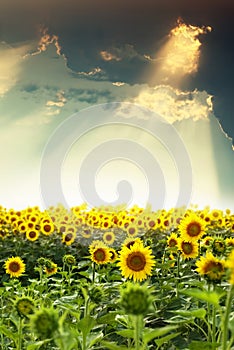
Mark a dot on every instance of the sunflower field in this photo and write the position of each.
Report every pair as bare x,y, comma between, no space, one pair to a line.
116,278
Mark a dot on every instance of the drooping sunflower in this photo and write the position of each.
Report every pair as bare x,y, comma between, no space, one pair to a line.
136,262
189,249
100,254
210,266
15,266
24,306
52,269
192,227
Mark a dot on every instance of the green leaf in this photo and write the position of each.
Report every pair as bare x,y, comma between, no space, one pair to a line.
127,333
11,335
165,339
113,346
151,334
198,313
107,319
210,297
198,345
86,324
38,344
94,338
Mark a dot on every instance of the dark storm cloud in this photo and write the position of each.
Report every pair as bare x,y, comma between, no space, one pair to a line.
87,27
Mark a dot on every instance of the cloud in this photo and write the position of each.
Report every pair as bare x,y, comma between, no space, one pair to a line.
10,65
125,52
180,54
174,104
118,83
61,100
45,40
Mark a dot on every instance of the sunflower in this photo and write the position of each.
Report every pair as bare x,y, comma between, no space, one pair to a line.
219,246
136,262
100,254
128,242
172,240
24,306
192,227
132,230
207,241
51,269
189,249
32,235
113,255
229,242
15,266
108,237
94,245
68,237
210,266
47,227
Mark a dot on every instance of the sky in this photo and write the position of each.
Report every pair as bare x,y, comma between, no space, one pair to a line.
116,101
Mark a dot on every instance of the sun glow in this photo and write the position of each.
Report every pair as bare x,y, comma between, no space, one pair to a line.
180,54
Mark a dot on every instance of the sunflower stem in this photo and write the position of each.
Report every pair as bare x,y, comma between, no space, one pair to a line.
226,318
137,331
19,334
93,275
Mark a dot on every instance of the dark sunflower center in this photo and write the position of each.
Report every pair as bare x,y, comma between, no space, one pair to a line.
108,237
32,234
68,237
99,254
187,247
47,228
136,261
172,243
14,266
193,229
214,267
131,231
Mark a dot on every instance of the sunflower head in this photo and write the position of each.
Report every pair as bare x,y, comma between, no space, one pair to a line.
44,323
188,249
211,267
192,227
136,262
135,299
24,306
69,259
219,246
15,266
100,254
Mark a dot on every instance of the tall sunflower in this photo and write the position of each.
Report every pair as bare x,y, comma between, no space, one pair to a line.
136,262
15,266
192,227
100,254
210,266
189,249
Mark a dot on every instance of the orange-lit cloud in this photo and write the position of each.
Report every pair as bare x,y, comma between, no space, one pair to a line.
108,56
176,105
91,73
180,54
54,107
46,39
